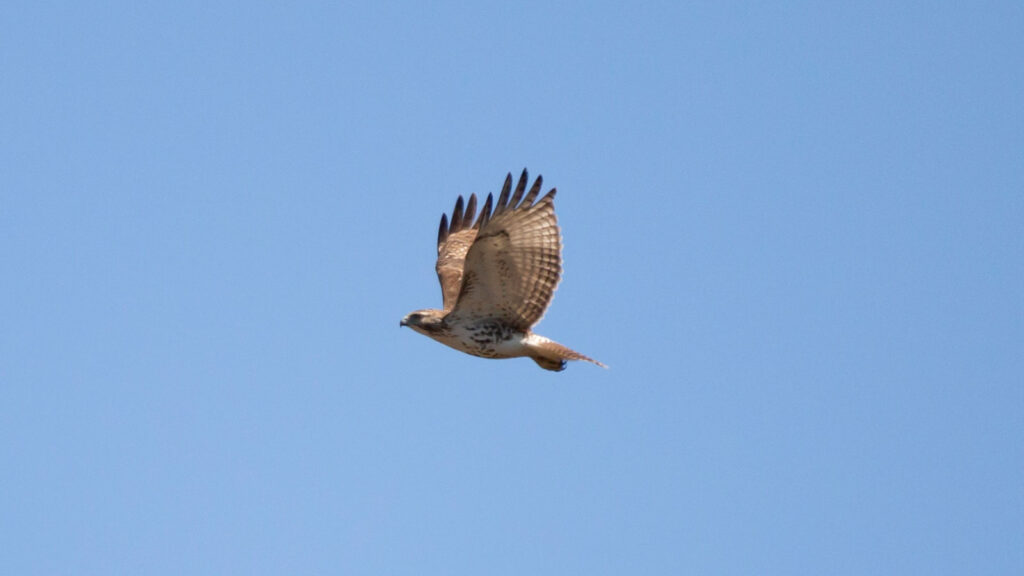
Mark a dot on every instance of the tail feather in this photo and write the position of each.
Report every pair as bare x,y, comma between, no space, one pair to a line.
551,355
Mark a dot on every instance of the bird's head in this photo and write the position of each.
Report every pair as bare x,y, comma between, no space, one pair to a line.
424,321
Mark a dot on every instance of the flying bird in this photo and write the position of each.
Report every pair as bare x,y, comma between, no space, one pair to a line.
498,274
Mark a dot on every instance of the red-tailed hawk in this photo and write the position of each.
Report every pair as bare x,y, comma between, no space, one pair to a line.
498,274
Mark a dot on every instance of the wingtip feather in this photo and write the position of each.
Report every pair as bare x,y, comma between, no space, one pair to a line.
520,189
534,190
457,215
502,202
442,231
485,212
467,217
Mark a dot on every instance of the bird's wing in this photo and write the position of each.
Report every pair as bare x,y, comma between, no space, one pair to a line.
514,264
453,241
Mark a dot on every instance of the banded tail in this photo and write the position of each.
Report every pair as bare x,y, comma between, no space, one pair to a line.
551,355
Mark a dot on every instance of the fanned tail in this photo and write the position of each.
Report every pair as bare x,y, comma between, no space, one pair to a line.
551,355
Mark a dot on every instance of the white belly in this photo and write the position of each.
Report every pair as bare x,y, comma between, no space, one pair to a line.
486,339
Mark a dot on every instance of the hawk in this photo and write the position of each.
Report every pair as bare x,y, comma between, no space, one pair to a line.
498,274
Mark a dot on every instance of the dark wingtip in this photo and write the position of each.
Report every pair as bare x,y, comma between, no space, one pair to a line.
457,215
467,216
500,205
485,212
442,231
520,189
534,190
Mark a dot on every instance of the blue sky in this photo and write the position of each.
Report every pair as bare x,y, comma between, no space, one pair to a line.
793,232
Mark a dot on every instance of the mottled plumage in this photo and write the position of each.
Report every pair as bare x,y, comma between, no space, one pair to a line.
498,273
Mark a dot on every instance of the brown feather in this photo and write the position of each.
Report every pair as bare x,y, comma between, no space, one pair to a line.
520,188
534,190
454,240
442,232
467,218
500,205
456,216
514,265
485,212
551,355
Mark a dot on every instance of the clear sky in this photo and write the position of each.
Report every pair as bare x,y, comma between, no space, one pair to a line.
795,233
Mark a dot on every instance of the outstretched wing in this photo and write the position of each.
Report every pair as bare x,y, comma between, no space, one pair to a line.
453,241
513,266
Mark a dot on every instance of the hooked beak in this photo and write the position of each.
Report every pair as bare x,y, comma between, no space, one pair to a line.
403,323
